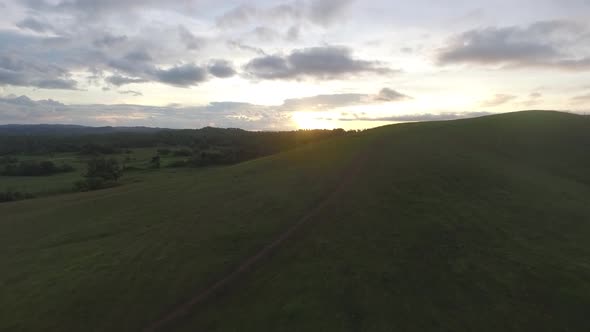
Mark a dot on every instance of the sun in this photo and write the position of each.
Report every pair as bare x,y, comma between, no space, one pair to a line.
306,120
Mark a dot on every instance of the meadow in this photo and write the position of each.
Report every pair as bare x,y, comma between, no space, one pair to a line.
467,225
136,159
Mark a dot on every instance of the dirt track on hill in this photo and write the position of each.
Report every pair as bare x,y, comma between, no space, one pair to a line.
246,265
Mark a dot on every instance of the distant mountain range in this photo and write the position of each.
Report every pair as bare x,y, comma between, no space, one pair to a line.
68,130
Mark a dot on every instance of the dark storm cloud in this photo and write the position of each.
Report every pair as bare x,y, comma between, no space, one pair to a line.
548,44
221,69
328,62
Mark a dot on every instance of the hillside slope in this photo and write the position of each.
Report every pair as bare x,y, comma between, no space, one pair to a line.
479,224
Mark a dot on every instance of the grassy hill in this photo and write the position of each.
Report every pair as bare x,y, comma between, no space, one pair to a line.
469,225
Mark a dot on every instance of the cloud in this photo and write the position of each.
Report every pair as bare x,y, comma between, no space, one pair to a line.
234,44
35,25
495,46
138,65
534,99
56,83
265,34
333,101
535,95
191,41
220,114
20,72
22,109
109,40
329,62
21,101
139,53
121,80
548,44
419,117
133,63
317,12
221,69
572,65
581,99
387,94
182,76
325,12
138,56
128,42
293,33
269,67
324,102
497,100
92,9
237,16
131,92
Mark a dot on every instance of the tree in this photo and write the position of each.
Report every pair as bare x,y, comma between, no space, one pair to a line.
155,162
106,169
101,173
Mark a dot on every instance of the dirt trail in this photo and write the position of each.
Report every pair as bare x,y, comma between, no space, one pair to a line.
244,266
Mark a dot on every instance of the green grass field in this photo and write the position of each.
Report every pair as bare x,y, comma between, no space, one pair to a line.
469,225
138,158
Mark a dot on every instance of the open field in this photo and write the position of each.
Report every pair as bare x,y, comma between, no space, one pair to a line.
479,224
136,158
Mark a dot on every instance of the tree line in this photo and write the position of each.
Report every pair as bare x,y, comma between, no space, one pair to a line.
244,144
32,168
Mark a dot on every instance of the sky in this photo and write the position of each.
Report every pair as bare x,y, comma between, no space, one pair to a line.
289,64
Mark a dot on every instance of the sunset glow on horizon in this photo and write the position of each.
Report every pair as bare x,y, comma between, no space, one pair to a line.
282,64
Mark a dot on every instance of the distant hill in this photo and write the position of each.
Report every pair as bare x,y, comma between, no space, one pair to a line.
469,225
69,130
